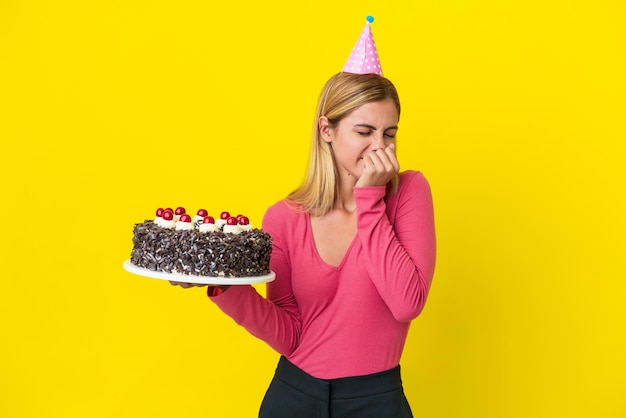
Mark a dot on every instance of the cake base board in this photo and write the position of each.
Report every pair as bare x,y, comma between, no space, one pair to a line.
188,278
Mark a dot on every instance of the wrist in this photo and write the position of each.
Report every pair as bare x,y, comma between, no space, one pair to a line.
216,290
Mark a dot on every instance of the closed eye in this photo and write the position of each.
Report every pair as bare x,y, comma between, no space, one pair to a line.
391,133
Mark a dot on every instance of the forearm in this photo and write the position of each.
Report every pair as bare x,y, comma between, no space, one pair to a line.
400,258
278,327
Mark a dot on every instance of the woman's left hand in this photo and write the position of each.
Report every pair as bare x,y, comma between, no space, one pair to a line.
379,167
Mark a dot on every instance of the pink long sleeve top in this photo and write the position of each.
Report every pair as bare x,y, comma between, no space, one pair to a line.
351,319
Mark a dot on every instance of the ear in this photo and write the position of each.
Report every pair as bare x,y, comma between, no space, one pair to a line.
325,129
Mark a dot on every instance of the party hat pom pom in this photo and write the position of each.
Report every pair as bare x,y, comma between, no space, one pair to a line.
370,19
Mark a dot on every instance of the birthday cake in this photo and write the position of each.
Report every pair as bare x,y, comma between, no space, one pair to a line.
176,242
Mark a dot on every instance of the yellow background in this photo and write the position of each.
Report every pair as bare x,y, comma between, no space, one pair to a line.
515,112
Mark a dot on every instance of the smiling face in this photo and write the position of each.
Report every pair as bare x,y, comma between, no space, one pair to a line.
369,127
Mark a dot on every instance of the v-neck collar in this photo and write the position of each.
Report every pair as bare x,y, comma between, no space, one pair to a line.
311,241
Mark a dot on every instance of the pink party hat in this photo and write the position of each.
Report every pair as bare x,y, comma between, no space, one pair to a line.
364,56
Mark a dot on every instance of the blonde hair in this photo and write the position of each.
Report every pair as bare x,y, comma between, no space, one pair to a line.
342,94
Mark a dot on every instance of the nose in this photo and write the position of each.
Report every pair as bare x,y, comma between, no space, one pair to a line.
378,141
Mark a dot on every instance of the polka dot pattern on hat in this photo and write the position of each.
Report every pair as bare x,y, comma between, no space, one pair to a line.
364,56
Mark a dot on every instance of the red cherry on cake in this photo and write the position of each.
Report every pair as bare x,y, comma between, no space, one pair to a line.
167,215
180,210
185,218
202,212
159,212
243,220
169,210
225,215
208,220
231,221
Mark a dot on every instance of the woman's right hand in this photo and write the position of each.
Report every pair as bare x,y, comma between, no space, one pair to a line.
185,285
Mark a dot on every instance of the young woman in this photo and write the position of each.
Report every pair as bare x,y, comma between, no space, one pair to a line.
354,256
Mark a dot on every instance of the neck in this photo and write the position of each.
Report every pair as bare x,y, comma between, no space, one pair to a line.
345,197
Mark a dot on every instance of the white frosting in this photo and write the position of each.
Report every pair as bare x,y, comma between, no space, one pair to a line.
184,226
232,229
246,227
208,228
167,224
220,222
159,221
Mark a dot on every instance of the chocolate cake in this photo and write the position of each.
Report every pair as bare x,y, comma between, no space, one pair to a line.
245,253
